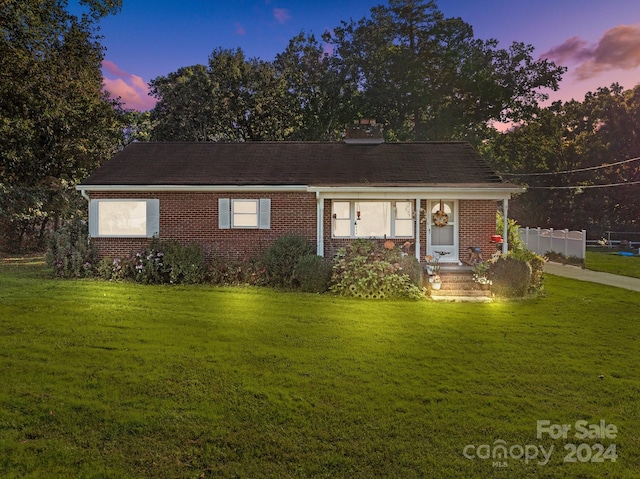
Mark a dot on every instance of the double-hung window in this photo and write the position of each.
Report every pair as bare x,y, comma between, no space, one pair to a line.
372,219
244,213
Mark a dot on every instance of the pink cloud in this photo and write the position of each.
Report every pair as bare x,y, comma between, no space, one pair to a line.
618,49
132,90
281,14
572,49
240,29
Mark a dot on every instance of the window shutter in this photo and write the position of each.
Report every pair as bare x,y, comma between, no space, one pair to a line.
224,213
93,218
153,218
264,220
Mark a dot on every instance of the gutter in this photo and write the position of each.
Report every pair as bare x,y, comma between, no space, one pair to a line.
398,192
194,188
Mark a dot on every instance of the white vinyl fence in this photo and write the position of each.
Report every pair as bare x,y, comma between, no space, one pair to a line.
568,243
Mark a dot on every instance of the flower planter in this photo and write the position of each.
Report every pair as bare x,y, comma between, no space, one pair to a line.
436,285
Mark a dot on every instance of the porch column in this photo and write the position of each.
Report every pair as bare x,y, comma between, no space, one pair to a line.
320,225
417,244
505,214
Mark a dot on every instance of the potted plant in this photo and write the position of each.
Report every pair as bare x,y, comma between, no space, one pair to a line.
432,266
433,270
480,271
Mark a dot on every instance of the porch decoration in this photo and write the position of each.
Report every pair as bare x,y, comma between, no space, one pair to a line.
440,218
480,272
433,265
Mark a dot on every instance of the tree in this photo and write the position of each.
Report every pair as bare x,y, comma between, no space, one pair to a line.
184,111
546,151
427,78
56,124
318,95
231,99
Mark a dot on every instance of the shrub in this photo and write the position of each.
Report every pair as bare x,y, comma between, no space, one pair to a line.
511,277
364,270
69,253
113,270
281,257
537,268
312,274
163,262
410,266
184,264
233,273
514,239
148,267
560,258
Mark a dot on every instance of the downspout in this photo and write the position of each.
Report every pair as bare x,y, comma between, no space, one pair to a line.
320,225
418,229
505,236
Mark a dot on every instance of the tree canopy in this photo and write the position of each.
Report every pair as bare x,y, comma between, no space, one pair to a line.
562,154
426,77
56,124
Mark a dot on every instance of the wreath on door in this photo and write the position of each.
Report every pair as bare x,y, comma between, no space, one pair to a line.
440,218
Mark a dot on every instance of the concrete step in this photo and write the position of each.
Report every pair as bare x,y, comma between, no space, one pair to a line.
460,292
459,285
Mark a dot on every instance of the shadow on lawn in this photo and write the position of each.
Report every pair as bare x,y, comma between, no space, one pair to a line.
26,266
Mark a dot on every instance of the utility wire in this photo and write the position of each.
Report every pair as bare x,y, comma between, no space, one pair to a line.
581,187
571,171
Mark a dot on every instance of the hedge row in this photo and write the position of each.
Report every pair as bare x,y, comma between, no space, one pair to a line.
364,269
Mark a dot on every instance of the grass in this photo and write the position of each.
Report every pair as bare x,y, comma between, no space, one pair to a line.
609,261
114,380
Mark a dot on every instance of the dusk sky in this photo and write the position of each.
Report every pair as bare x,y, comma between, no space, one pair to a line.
599,41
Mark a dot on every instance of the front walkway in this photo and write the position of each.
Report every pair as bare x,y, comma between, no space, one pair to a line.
575,272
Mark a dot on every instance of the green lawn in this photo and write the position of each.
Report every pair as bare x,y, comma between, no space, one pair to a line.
108,380
609,261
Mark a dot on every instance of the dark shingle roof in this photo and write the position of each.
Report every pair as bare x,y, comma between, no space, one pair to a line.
297,163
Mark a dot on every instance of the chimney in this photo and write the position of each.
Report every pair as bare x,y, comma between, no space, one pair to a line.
364,132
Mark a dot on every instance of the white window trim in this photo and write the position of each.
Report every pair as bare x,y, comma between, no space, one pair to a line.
226,213
352,220
255,215
152,219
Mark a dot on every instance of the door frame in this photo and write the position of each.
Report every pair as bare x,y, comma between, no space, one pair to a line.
453,257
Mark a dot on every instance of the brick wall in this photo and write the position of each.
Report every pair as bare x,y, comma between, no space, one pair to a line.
193,217
477,220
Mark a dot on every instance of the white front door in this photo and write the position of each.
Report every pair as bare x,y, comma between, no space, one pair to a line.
442,230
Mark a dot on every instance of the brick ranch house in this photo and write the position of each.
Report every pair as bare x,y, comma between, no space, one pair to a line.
235,199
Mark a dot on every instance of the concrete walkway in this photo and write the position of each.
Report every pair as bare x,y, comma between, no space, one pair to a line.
575,272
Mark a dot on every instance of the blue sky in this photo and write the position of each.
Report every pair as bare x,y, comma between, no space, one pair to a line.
598,40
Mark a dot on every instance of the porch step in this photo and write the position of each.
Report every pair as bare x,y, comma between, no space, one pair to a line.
461,292
458,284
